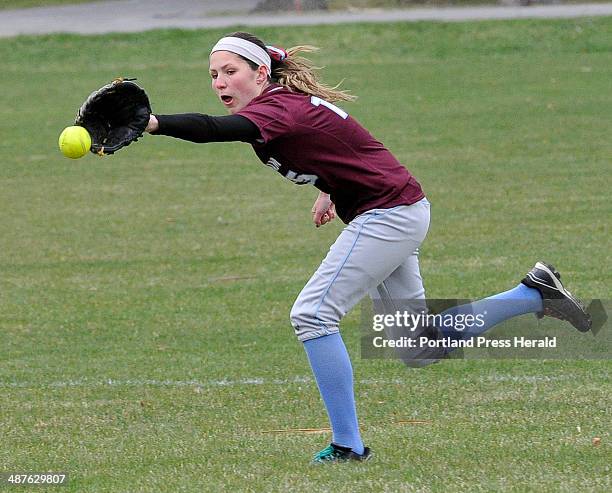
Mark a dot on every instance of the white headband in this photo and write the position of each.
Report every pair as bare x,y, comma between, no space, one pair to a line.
245,48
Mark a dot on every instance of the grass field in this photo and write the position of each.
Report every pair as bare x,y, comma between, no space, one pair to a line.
26,4
144,297
332,4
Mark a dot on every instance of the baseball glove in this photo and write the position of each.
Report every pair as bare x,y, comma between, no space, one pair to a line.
115,115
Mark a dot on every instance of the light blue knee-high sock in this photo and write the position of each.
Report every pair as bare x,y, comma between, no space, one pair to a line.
333,372
497,308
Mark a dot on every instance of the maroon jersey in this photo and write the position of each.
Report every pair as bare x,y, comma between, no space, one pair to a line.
311,141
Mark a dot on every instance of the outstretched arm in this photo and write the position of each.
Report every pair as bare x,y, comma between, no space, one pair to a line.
200,128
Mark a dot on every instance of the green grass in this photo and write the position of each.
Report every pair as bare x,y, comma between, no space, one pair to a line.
395,4
25,4
333,4
402,4
144,297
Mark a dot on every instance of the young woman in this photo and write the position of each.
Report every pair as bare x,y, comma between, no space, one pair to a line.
278,105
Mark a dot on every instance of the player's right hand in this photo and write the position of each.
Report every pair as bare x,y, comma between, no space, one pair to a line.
323,210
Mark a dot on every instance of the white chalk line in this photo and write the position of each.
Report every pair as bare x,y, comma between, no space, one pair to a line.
111,382
528,378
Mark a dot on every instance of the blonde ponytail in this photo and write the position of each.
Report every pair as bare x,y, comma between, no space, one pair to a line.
298,73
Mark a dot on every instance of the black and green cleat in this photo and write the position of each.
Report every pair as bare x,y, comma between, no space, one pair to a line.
558,302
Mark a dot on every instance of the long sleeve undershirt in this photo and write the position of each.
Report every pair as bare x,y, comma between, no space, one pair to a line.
200,128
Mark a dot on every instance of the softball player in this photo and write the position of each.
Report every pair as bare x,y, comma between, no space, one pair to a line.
277,104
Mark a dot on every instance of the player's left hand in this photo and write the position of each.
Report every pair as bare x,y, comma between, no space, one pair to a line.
323,210
115,115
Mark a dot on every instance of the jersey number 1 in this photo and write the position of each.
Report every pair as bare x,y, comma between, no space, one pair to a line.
321,102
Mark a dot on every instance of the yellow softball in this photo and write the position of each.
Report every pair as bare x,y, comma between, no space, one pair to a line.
74,142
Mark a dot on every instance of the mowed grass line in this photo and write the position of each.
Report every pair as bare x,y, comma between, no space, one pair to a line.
126,278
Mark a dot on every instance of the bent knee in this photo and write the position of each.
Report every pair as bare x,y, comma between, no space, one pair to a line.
308,325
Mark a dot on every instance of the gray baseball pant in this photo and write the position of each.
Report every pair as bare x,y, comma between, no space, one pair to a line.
376,253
